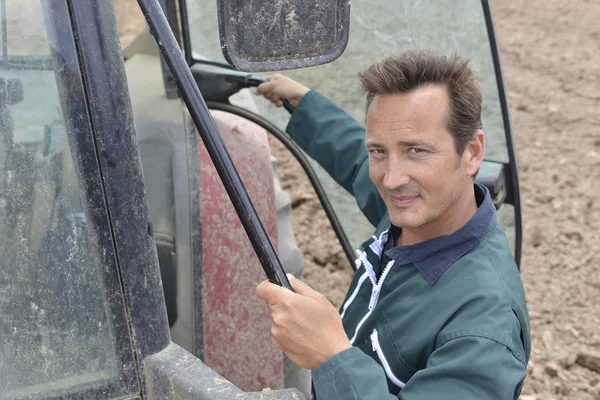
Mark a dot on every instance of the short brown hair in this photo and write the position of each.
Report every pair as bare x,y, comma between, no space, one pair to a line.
405,72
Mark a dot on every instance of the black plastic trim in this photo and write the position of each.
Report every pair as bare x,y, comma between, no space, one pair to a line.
513,194
304,163
170,10
185,32
112,118
167,259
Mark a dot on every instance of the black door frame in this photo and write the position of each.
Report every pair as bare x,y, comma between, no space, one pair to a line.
120,172
105,82
513,195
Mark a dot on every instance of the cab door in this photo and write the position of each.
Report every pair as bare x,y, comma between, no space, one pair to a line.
379,29
82,305
64,330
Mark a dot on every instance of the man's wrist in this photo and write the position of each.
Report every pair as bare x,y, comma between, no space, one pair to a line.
335,350
295,100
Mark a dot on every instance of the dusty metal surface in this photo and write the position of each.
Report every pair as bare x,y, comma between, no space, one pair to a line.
237,325
259,35
177,374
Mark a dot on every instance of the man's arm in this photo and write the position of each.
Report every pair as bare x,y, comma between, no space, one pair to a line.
331,137
465,368
465,365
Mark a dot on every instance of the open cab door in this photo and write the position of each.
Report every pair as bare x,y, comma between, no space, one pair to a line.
379,30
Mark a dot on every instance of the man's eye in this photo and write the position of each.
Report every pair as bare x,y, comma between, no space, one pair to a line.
376,151
416,150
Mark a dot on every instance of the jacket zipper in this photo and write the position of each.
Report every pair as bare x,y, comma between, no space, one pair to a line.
374,298
362,255
386,365
354,293
377,245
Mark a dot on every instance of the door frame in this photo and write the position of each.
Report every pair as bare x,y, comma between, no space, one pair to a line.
513,195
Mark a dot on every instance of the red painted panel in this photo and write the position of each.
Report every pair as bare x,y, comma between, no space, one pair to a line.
237,325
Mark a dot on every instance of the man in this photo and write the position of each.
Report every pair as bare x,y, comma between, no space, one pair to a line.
436,309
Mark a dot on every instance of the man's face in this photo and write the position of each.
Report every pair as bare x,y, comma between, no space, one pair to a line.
412,157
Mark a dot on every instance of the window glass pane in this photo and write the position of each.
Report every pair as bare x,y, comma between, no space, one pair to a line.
29,38
506,216
379,30
62,327
204,29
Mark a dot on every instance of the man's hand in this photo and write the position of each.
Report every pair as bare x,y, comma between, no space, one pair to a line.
306,326
279,88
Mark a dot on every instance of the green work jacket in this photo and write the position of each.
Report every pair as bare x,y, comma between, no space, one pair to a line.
443,319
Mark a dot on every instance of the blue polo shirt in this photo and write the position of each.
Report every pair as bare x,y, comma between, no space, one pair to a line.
442,319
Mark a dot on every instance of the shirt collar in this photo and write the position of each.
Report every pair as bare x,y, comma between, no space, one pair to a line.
433,257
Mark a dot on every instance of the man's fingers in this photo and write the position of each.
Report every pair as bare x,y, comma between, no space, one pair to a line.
274,77
275,295
272,294
301,287
265,88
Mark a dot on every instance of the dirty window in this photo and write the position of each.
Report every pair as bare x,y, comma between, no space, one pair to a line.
60,326
25,39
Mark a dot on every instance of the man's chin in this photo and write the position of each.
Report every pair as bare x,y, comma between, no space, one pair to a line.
403,216
405,221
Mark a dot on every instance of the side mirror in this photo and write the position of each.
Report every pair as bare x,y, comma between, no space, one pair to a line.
11,91
267,35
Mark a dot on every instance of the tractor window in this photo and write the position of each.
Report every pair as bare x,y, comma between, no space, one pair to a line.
24,40
60,313
379,30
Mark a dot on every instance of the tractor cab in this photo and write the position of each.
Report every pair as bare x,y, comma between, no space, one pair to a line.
125,272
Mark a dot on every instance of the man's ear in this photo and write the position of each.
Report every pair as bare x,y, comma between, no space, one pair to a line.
473,155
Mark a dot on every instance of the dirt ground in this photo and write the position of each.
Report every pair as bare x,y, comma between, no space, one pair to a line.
551,56
552,67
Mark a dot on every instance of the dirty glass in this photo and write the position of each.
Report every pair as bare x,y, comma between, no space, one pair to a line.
377,30
57,328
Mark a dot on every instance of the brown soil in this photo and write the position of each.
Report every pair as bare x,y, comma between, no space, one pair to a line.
551,62
551,58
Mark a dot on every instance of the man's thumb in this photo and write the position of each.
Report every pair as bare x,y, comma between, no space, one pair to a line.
264,88
300,287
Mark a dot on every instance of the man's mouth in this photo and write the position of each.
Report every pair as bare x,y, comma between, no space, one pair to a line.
402,201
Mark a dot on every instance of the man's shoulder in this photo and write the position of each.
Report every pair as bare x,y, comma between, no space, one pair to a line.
490,300
489,265
487,272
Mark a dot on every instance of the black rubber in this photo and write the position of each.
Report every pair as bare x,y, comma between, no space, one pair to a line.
304,163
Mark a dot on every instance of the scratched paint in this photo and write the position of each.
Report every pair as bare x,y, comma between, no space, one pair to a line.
237,325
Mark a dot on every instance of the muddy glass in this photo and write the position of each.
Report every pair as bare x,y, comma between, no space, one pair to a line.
57,327
377,30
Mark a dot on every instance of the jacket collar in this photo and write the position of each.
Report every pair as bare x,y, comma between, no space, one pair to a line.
433,257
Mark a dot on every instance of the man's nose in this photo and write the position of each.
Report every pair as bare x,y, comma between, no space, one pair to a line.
395,176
